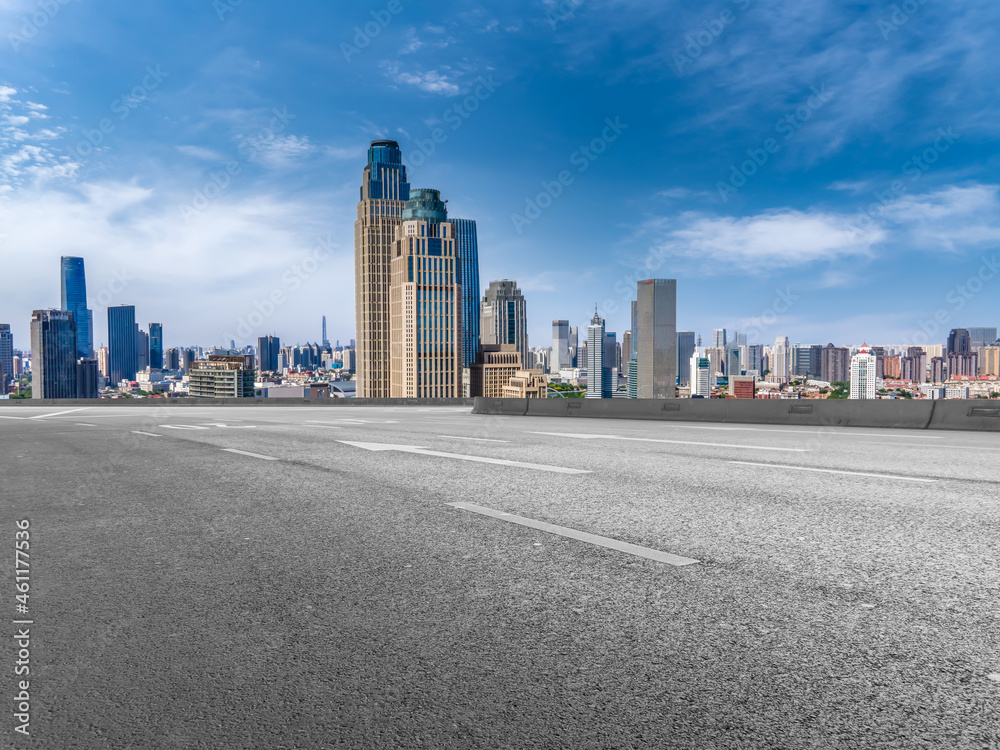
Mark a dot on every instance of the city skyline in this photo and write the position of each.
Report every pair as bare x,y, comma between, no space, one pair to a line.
818,225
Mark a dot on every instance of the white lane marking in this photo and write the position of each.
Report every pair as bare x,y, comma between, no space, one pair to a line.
836,471
5,417
325,426
252,455
361,421
84,424
150,434
583,536
479,459
831,431
59,413
183,427
673,442
484,440
230,426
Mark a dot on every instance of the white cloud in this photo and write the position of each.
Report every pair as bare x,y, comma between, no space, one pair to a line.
430,81
197,152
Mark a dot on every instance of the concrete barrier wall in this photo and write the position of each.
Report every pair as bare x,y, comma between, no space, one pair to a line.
275,402
884,413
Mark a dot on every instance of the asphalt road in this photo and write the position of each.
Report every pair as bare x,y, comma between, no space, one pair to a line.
316,589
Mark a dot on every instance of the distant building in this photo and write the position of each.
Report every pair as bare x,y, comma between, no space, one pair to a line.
348,359
268,348
963,365
959,341
781,364
939,372
989,360
598,374
656,338
836,364
863,374
73,291
53,354
223,376
685,350
6,354
743,386
467,254
890,368
980,337
88,383
156,346
714,356
503,317
956,391
493,369
527,384
123,357
560,346
719,339
701,383
732,362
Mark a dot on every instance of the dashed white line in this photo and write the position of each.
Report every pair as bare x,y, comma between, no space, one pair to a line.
582,536
833,431
837,471
482,440
84,424
252,455
326,426
149,434
59,413
587,436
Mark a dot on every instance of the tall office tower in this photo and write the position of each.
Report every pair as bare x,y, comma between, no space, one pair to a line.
384,192
156,346
171,359
53,354
719,338
863,375
656,343
701,376
732,361
612,363
188,358
87,378
504,318
879,353
104,361
980,337
326,341
123,360
426,303
626,350
141,348
348,359
754,362
467,252
73,290
574,347
598,377
714,356
18,371
989,361
836,364
560,346
800,361
267,353
685,350
781,365
6,354
959,341
738,339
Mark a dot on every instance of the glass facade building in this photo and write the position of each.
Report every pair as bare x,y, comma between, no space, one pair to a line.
53,354
156,346
268,353
467,250
685,350
6,355
656,342
123,354
73,290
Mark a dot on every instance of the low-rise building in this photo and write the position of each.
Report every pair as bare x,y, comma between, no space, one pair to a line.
527,384
223,376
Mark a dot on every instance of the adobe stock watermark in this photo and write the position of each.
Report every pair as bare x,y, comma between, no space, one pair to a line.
116,285
291,281
582,158
957,298
563,11
363,35
914,168
33,23
900,16
123,106
224,7
456,115
219,180
699,41
787,126
784,300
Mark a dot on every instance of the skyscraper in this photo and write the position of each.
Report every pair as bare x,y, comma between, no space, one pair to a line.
73,290
598,377
560,346
685,350
425,302
656,344
268,348
6,354
863,374
467,251
574,347
719,340
701,376
979,337
326,341
732,361
959,341
836,364
384,192
123,357
781,365
504,317
53,354
156,346
141,348
87,379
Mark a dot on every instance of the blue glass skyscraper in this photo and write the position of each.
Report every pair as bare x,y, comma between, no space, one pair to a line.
156,346
123,354
74,298
467,252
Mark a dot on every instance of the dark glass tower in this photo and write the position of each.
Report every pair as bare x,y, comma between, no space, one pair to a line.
53,354
73,285
123,355
959,341
268,353
467,252
156,346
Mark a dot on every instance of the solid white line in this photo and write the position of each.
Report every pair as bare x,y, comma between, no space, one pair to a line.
5,417
484,440
150,434
59,413
831,431
252,455
836,471
327,426
582,536
674,442
419,450
84,424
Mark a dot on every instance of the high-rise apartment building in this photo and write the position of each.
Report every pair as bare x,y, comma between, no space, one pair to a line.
989,361
268,348
467,253
598,375
384,192
701,376
123,359
963,365
503,317
6,354
863,374
73,291
560,346
685,350
714,355
836,364
781,363
656,342
156,346
171,359
913,366
732,361
53,354
425,303
141,348
754,360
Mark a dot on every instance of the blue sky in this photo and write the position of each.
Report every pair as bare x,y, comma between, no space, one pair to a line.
825,171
